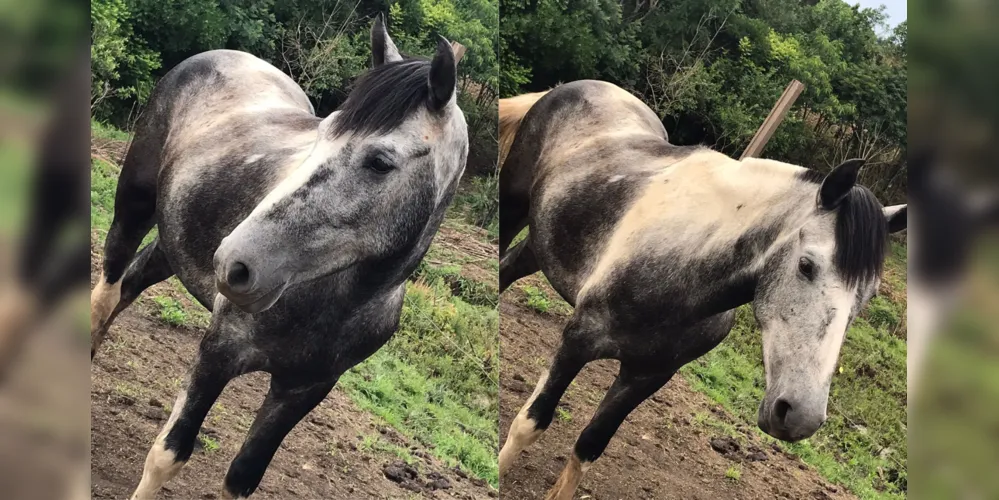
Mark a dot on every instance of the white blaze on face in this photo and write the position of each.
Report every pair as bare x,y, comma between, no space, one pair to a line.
804,321
321,152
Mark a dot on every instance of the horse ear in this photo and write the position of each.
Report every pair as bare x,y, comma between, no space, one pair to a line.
838,183
382,48
897,218
443,75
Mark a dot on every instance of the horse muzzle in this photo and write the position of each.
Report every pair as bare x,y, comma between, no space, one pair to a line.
789,419
245,281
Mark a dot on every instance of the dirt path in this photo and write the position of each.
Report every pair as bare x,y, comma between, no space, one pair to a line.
663,450
136,376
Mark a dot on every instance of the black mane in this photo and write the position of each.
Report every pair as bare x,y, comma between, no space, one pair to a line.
384,97
861,232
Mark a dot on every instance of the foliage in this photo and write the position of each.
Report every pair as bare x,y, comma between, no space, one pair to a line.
322,45
536,299
171,311
712,69
479,200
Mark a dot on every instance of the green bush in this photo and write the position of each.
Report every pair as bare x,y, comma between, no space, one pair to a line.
479,202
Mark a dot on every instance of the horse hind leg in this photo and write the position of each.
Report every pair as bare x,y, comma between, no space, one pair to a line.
627,392
149,267
537,413
516,264
134,216
515,206
284,406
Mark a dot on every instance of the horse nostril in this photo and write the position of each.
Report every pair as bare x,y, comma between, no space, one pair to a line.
781,409
238,275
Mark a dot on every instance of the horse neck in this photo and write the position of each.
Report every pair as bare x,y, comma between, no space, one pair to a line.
760,204
723,220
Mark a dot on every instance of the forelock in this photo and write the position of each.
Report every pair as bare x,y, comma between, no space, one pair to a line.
384,97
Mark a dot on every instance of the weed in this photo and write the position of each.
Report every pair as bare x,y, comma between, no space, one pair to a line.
209,444
171,312
563,415
734,473
128,390
536,299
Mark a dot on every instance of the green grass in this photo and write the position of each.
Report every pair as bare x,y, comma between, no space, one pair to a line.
471,291
209,444
563,415
99,130
375,443
171,311
536,299
863,443
435,382
734,473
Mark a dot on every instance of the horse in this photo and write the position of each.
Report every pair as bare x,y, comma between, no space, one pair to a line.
297,233
655,245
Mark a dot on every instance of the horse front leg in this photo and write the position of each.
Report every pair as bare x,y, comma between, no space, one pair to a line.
212,371
285,405
627,392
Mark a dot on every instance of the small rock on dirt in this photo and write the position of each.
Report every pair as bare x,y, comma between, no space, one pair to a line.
155,402
518,377
724,445
153,414
754,454
435,481
399,472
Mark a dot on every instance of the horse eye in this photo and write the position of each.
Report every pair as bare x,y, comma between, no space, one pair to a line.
379,165
806,268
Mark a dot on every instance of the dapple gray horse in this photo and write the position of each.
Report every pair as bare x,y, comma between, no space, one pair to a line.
298,233
655,245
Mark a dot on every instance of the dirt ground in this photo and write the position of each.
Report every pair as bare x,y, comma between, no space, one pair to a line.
136,376
659,452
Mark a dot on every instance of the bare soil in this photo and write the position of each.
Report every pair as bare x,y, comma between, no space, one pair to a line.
137,374
663,450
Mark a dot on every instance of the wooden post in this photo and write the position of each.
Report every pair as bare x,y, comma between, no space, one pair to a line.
766,131
459,51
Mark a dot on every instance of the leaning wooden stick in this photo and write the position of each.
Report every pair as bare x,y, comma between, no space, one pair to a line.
766,131
459,51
